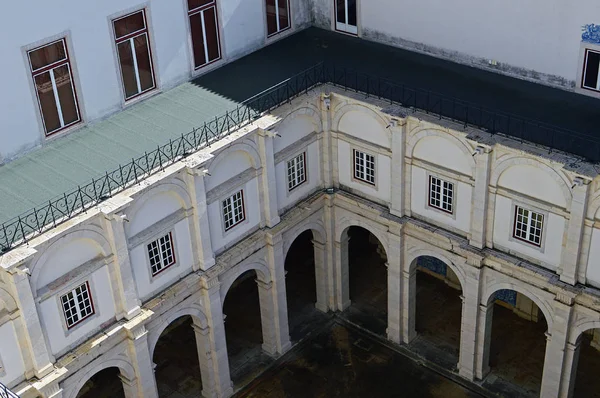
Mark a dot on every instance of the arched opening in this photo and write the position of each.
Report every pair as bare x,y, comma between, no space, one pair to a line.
367,279
177,369
438,311
301,286
517,342
585,368
106,383
243,329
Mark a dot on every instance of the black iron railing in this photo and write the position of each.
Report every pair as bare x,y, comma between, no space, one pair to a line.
34,222
6,393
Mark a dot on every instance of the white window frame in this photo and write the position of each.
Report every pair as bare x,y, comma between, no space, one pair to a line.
584,73
228,206
289,15
531,217
345,27
77,308
163,264
201,11
296,171
360,159
442,190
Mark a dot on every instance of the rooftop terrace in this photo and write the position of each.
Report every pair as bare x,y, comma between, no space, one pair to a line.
494,102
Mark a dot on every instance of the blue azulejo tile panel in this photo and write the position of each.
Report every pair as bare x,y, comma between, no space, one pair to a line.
591,33
508,296
432,264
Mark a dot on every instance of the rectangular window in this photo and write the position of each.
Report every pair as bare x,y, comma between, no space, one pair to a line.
135,58
296,171
591,70
205,31
346,16
528,226
441,194
53,80
161,253
278,16
233,210
77,305
364,167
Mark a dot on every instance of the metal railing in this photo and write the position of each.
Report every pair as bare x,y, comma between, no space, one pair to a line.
6,393
38,220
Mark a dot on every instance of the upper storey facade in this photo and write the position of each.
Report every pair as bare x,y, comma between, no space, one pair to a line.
74,64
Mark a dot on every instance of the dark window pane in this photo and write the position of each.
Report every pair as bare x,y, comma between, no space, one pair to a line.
66,96
130,24
212,36
47,55
144,63
198,3
197,39
591,70
271,17
341,11
45,92
352,12
284,21
127,69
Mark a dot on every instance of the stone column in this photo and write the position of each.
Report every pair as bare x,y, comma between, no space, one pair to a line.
321,276
207,371
555,349
397,191
125,292
130,387
571,248
41,355
211,297
570,369
198,223
480,197
139,354
273,301
342,273
268,180
332,254
484,338
394,272
409,298
469,325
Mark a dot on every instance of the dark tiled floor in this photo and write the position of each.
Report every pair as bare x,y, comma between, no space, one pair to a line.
344,362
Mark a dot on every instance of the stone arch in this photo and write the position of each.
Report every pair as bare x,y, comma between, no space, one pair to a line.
581,327
422,132
262,271
175,186
90,233
414,253
308,110
559,178
7,300
345,223
344,108
317,229
541,303
194,310
594,206
83,376
248,147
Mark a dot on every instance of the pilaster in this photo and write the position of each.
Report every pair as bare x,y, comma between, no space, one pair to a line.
467,362
125,292
330,252
325,144
480,197
139,354
394,272
571,249
268,180
321,276
409,292
199,226
398,166
207,371
485,316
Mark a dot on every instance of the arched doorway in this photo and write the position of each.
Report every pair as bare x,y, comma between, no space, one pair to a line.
106,383
243,329
177,370
367,279
438,311
587,363
301,287
517,343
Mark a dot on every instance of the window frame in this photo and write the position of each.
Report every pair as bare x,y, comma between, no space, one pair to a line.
442,196
200,10
160,253
357,178
130,36
584,70
289,15
72,291
529,222
230,198
335,21
47,68
304,171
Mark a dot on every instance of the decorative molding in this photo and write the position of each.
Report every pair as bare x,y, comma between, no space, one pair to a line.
591,33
